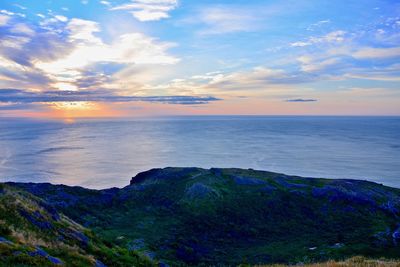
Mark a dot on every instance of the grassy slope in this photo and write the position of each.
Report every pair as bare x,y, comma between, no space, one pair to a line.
232,216
32,233
352,262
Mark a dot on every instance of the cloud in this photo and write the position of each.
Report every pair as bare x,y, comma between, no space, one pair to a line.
318,24
257,82
4,20
222,19
61,18
20,6
27,97
60,53
148,10
300,44
259,78
106,3
12,106
22,28
331,37
89,50
376,53
301,100
310,64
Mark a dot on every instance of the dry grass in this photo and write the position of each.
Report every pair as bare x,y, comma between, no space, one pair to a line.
352,262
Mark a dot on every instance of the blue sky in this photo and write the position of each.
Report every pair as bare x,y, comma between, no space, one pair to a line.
134,57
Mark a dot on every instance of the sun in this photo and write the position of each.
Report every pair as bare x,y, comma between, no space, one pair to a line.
75,105
71,110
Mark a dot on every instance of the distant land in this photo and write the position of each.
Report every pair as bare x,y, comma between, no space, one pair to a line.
201,217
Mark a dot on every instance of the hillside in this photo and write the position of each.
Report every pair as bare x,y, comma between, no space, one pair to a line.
33,233
234,216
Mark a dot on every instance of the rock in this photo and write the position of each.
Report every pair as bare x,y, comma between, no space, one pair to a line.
396,236
268,188
150,254
199,190
242,180
338,245
5,241
137,244
41,253
392,207
154,175
382,239
338,194
162,264
78,236
99,264
286,183
216,172
55,260
37,219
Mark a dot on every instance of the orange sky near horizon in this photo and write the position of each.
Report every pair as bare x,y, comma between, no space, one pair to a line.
70,111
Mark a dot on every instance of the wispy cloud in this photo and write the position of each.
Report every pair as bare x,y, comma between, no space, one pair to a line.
229,19
4,19
376,53
318,24
331,37
106,3
301,100
148,10
26,97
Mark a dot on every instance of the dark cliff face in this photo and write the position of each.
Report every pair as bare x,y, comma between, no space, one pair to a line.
231,216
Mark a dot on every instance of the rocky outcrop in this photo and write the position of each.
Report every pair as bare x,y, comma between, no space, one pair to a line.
200,191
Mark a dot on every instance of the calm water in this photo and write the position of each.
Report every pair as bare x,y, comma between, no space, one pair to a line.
100,154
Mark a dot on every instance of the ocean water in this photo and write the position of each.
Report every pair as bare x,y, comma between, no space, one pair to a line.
107,153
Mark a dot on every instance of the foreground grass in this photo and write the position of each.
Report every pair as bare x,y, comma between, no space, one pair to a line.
352,262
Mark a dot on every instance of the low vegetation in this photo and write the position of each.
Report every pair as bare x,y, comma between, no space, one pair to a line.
192,216
32,233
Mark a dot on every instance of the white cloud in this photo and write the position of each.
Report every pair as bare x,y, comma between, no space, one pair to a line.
106,3
332,37
6,12
225,19
83,30
61,18
14,41
21,7
4,20
300,44
149,10
318,24
309,64
370,53
335,36
131,48
23,29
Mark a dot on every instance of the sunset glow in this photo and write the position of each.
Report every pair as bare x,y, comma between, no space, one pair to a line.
141,58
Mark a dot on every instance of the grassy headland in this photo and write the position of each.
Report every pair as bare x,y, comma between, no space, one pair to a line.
227,217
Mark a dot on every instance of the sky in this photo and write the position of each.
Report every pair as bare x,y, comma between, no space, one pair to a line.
127,58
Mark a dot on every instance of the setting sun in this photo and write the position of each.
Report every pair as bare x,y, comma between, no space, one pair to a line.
80,109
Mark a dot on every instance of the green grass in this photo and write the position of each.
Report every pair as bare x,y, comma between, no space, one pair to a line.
249,217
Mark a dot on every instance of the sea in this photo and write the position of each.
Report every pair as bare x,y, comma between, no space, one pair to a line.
105,153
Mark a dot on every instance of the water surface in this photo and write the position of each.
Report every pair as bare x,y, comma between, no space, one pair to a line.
106,153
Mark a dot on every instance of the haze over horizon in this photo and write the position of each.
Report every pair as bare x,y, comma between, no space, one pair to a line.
128,58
